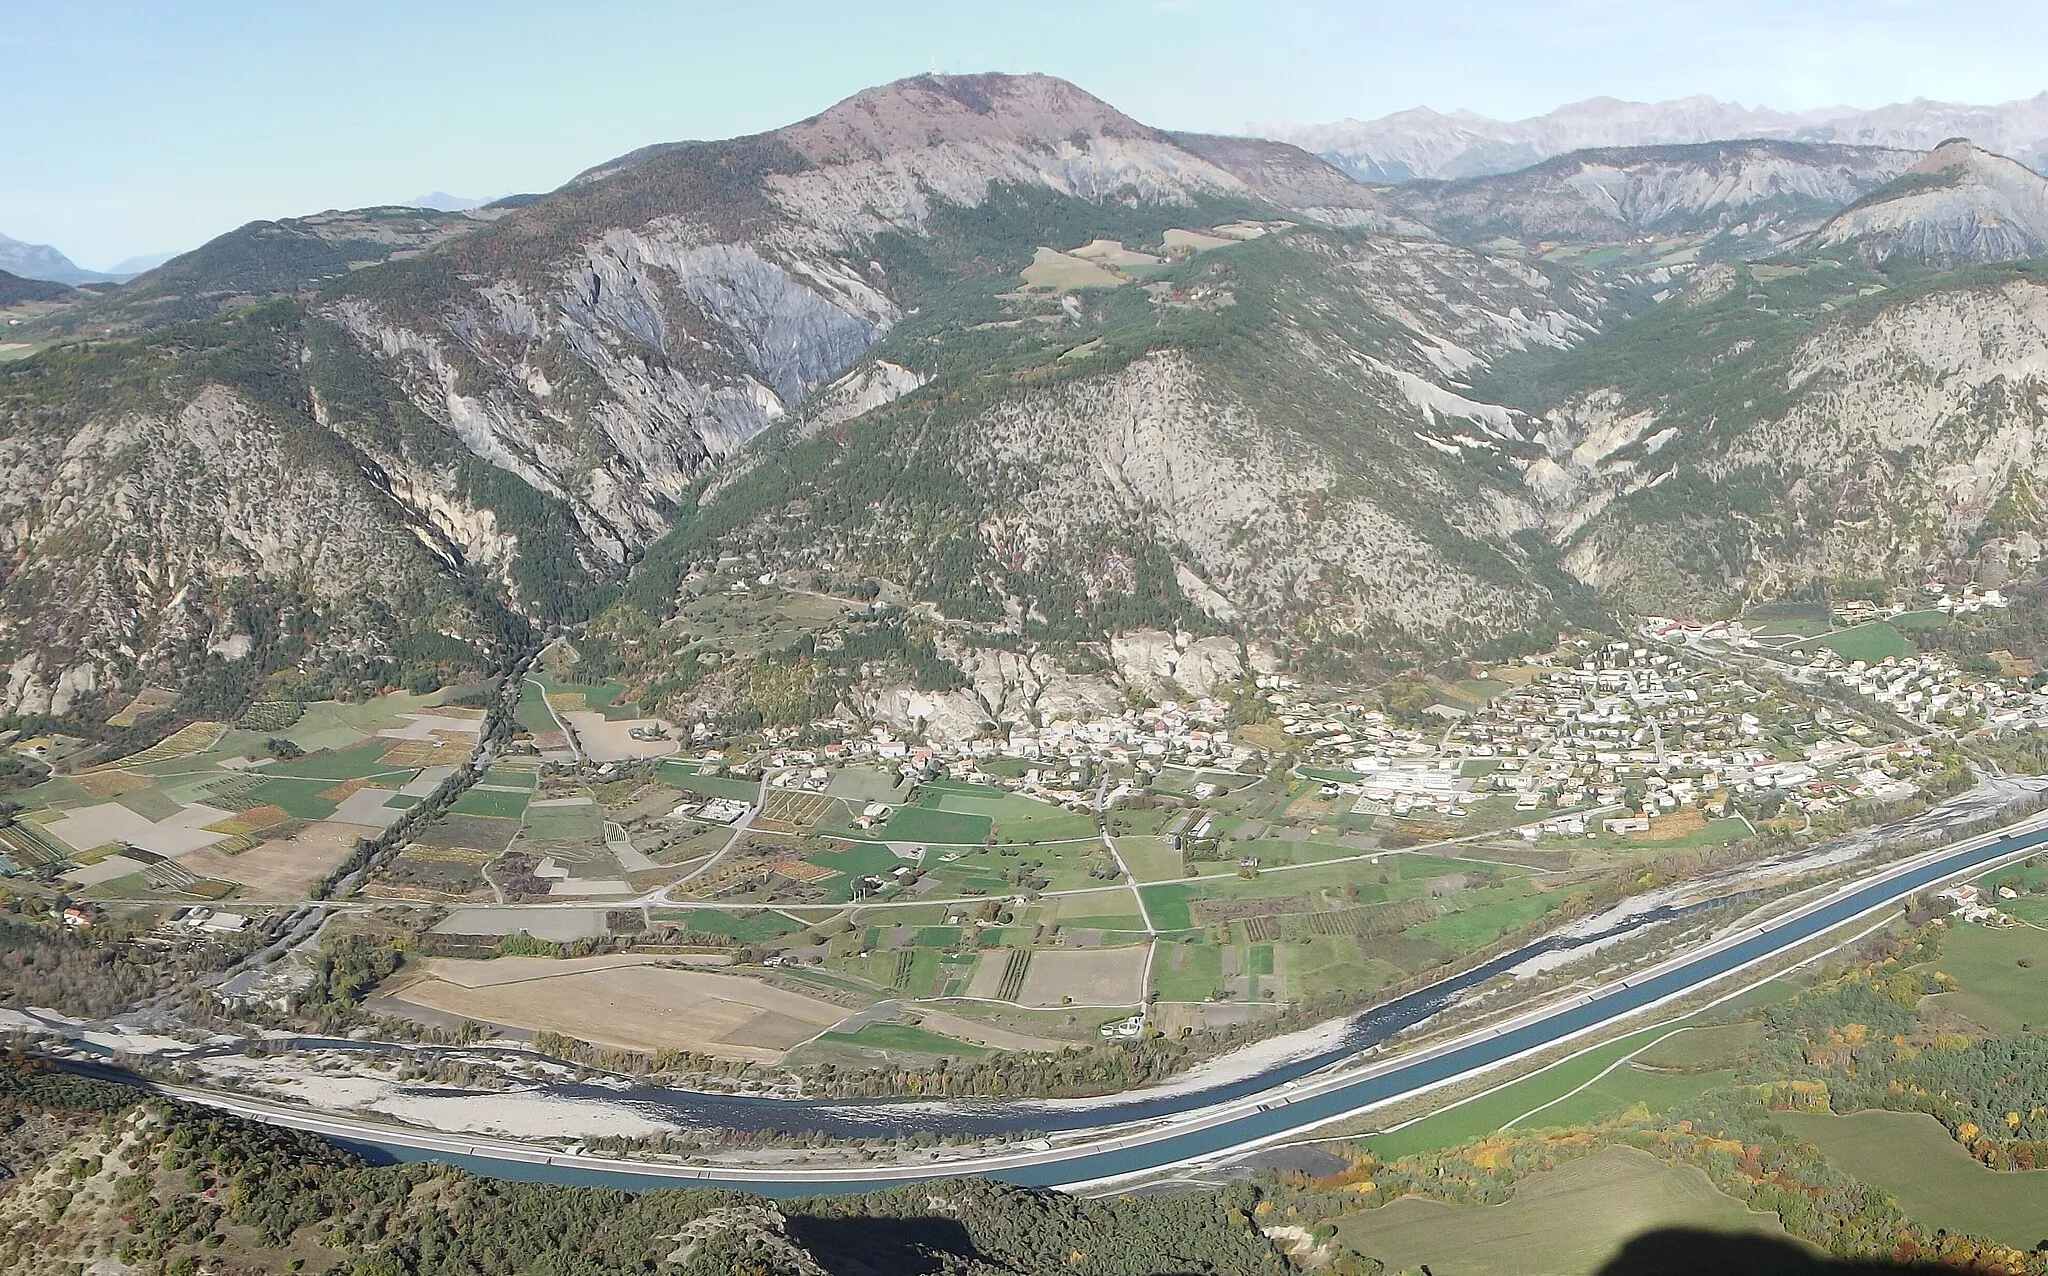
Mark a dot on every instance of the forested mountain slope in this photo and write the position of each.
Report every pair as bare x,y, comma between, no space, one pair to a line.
15,289
98,1178
1050,373
522,401
1785,426
1267,435
263,260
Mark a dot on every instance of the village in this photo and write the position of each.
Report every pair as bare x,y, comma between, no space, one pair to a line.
855,894
1634,733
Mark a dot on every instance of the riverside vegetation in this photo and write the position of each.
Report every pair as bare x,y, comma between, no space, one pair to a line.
166,1188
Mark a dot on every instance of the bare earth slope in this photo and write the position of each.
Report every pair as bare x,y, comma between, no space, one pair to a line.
1958,204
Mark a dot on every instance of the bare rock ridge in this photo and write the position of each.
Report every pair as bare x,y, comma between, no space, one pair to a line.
1044,369
1760,194
1957,204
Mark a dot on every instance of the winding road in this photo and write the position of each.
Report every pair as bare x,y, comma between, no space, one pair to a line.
1113,1153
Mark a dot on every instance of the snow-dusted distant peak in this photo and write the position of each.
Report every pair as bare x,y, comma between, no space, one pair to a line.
1422,143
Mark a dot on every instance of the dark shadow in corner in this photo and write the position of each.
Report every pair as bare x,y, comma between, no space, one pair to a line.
1679,1251
885,1246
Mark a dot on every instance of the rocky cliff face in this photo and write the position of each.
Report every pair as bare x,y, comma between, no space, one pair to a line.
138,536
1958,204
1905,436
1755,196
1293,453
669,306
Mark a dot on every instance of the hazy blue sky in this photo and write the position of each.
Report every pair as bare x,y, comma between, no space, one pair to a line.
139,127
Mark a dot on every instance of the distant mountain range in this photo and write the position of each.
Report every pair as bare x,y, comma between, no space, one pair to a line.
1421,143
443,202
129,267
40,261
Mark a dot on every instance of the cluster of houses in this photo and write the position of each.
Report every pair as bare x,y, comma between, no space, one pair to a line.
1973,903
1055,761
1929,689
1858,611
1608,739
1593,738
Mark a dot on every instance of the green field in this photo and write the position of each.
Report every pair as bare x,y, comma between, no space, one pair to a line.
334,724
150,804
1106,910
1624,1088
1168,905
1921,619
1151,859
711,921
1483,1116
299,799
2028,908
532,711
1054,825
947,828
556,823
2024,877
1720,1046
899,1038
1336,965
1789,627
1934,1179
475,801
1564,1222
600,697
1273,851
1199,972
1870,642
1487,921
1994,989
1014,818
353,763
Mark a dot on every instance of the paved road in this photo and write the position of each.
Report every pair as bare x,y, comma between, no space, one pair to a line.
1269,1116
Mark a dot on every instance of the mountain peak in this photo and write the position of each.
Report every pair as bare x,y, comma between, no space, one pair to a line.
442,202
1959,203
40,261
878,157
936,110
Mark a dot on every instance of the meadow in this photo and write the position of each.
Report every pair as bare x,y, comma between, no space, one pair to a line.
1561,1222
1935,1180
